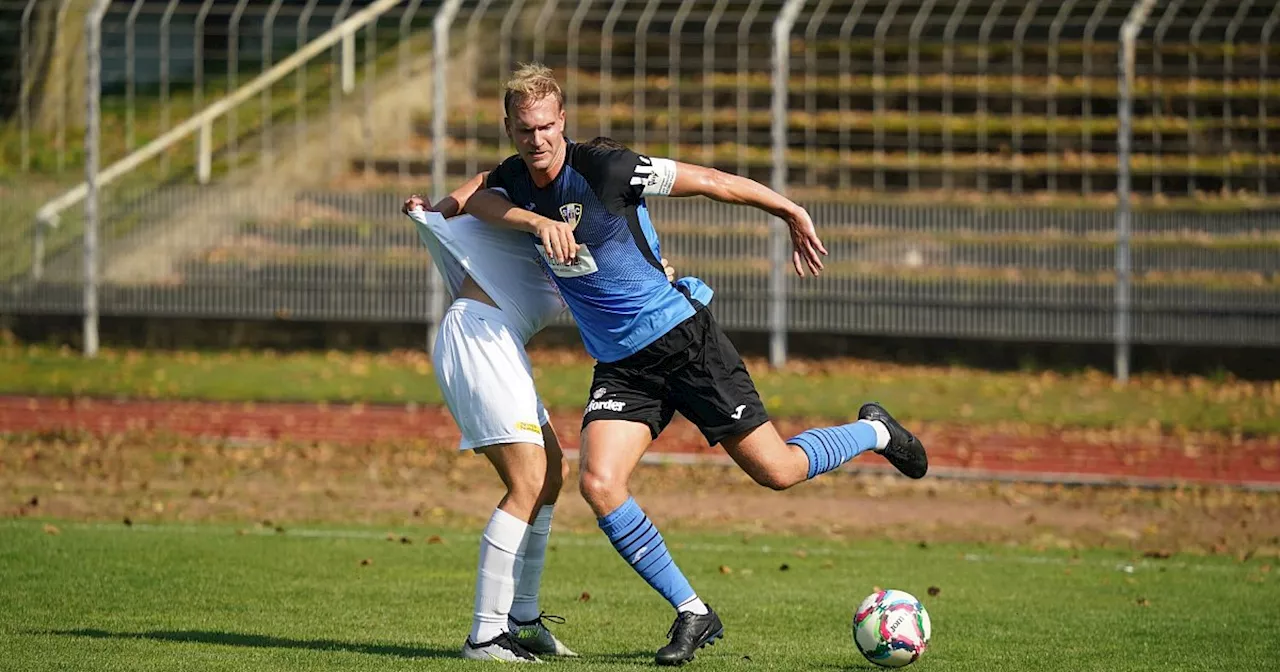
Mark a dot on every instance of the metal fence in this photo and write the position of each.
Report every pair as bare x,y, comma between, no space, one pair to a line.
971,164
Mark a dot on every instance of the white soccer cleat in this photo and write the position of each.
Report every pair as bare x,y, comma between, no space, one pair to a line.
533,636
502,649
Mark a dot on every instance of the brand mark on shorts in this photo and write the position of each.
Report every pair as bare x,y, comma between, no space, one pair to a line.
610,405
529,427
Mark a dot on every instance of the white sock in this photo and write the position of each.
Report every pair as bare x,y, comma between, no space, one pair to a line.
882,433
500,548
693,604
525,605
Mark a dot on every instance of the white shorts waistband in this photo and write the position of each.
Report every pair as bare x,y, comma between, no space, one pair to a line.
481,310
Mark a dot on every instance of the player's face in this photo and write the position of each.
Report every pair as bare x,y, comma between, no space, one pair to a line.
537,130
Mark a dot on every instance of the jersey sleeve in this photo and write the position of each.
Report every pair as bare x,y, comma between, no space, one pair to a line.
621,177
502,177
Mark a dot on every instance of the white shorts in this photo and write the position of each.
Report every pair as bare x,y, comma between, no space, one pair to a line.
486,378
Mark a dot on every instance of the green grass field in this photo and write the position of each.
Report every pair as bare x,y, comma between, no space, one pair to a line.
109,597
815,390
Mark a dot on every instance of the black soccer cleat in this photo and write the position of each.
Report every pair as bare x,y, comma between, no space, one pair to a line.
904,450
689,633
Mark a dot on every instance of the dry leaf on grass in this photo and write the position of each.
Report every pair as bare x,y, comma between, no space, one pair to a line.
49,529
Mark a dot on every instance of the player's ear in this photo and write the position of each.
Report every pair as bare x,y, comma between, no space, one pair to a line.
506,125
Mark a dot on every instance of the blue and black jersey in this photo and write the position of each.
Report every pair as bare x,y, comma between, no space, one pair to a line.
616,291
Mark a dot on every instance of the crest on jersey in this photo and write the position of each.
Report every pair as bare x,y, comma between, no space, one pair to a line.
572,213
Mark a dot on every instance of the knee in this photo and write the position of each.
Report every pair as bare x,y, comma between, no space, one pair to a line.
774,479
557,477
525,488
598,488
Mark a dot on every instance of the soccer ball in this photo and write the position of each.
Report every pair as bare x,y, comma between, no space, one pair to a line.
891,628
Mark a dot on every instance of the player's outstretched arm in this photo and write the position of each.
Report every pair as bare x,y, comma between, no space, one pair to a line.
695,180
451,205
490,205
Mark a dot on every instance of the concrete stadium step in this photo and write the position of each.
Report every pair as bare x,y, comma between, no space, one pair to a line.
656,88
884,253
739,285
1046,249
858,128
755,156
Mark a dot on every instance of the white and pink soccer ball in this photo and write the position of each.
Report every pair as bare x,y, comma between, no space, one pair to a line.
891,628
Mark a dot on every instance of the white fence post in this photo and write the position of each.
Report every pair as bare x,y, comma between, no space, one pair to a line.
440,26
93,94
778,132
1124,140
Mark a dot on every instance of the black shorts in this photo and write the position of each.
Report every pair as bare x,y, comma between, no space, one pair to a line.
693,369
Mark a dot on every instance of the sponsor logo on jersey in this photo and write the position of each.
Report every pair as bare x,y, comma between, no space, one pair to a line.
529,427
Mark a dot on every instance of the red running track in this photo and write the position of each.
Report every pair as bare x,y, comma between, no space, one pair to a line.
954,450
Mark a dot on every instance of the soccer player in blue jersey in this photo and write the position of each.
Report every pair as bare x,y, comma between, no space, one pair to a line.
658,349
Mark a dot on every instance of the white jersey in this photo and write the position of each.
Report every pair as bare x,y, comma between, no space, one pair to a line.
503,262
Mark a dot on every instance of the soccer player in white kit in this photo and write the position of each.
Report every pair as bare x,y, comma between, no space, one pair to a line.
502,297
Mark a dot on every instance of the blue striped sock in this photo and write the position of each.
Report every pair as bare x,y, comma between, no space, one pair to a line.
639,543
830,447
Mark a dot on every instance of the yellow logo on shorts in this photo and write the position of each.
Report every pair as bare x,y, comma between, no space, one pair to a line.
529,427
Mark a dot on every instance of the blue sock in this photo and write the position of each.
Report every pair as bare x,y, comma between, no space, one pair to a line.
830,447
639,543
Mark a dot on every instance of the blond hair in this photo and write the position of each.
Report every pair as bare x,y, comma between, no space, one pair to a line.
530,83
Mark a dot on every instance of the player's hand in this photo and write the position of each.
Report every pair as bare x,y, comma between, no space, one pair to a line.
557,238
807,248
413,203
669,270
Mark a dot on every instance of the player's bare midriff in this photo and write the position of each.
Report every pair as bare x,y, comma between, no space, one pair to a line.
473,291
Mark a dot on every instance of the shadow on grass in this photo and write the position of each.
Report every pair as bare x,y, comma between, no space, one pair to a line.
262,641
